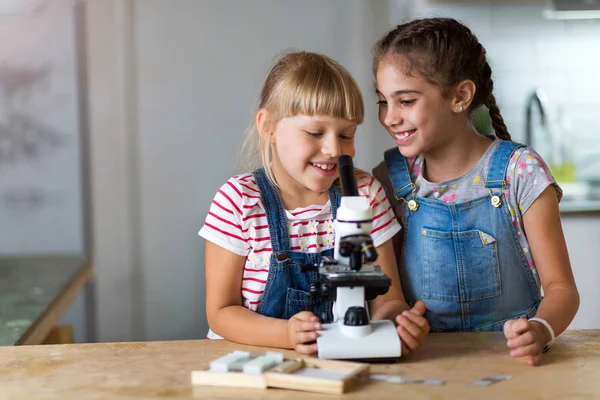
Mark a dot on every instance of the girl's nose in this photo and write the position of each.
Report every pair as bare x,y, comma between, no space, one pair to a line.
331,147
392,117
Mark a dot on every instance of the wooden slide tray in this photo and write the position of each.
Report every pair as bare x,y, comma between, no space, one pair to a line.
304,373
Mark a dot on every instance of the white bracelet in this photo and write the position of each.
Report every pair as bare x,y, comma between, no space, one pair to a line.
552,337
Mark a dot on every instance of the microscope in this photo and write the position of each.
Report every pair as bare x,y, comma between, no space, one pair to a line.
350,279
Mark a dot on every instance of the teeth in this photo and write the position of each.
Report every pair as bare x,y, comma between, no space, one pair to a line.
326,167
403,135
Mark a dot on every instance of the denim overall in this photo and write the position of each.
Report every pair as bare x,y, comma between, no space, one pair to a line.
464,260
286,290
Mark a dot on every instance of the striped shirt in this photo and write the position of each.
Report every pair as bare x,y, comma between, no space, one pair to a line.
237,222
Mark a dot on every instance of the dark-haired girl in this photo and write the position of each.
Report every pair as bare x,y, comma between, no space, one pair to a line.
482,233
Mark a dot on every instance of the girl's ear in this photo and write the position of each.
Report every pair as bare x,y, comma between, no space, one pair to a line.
264,126
463,95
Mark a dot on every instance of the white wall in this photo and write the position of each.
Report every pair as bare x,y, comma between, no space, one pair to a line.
113,168
172,87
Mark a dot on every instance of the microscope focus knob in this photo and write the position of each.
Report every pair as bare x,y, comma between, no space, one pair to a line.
356,316
345,249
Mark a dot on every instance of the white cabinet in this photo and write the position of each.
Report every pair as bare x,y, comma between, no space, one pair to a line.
582,233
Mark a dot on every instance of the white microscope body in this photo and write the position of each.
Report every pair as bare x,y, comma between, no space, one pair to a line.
351,334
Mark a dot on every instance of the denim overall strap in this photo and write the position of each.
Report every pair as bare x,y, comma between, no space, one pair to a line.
496,177
280,238
335,197
397,167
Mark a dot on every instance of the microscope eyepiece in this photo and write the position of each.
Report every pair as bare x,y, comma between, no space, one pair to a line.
347,178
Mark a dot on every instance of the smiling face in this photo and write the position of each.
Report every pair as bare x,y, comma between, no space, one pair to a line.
306,150
413,110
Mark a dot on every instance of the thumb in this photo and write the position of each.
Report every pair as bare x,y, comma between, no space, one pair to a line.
304,316
514,327
418,308
508,329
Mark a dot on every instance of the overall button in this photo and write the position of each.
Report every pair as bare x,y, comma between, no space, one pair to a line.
496,201
282,256
413,205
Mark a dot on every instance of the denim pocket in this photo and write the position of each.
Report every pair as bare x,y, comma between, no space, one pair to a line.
460,266
296,301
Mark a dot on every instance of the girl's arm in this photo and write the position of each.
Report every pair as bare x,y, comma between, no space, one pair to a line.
549,250
412,326
230,319
561,299
389,305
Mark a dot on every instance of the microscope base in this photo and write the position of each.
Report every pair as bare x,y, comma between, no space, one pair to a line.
382,342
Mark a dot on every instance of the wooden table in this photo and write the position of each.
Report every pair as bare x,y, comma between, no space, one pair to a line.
150,370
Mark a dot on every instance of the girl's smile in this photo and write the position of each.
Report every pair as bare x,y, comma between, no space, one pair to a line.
404,138
327,169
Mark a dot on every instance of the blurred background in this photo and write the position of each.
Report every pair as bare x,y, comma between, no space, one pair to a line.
119,120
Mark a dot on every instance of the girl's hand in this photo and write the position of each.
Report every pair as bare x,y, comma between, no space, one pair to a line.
412,327
525,339
301,331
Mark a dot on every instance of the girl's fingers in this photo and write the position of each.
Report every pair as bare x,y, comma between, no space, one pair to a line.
306,316
535,360
306,326
514,327
508,330
305,337
409,326
417,319
306,348
529,350
520,325
408,339
418,308
523,339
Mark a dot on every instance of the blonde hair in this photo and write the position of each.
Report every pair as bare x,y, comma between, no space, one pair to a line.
301,83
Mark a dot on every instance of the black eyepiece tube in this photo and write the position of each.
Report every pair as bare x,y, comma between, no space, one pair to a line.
347,178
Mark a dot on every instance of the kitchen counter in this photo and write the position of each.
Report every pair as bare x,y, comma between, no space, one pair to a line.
579,206
579,197
150,370
35,292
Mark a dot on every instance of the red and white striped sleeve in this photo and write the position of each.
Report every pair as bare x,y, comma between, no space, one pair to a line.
385,224
223,224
